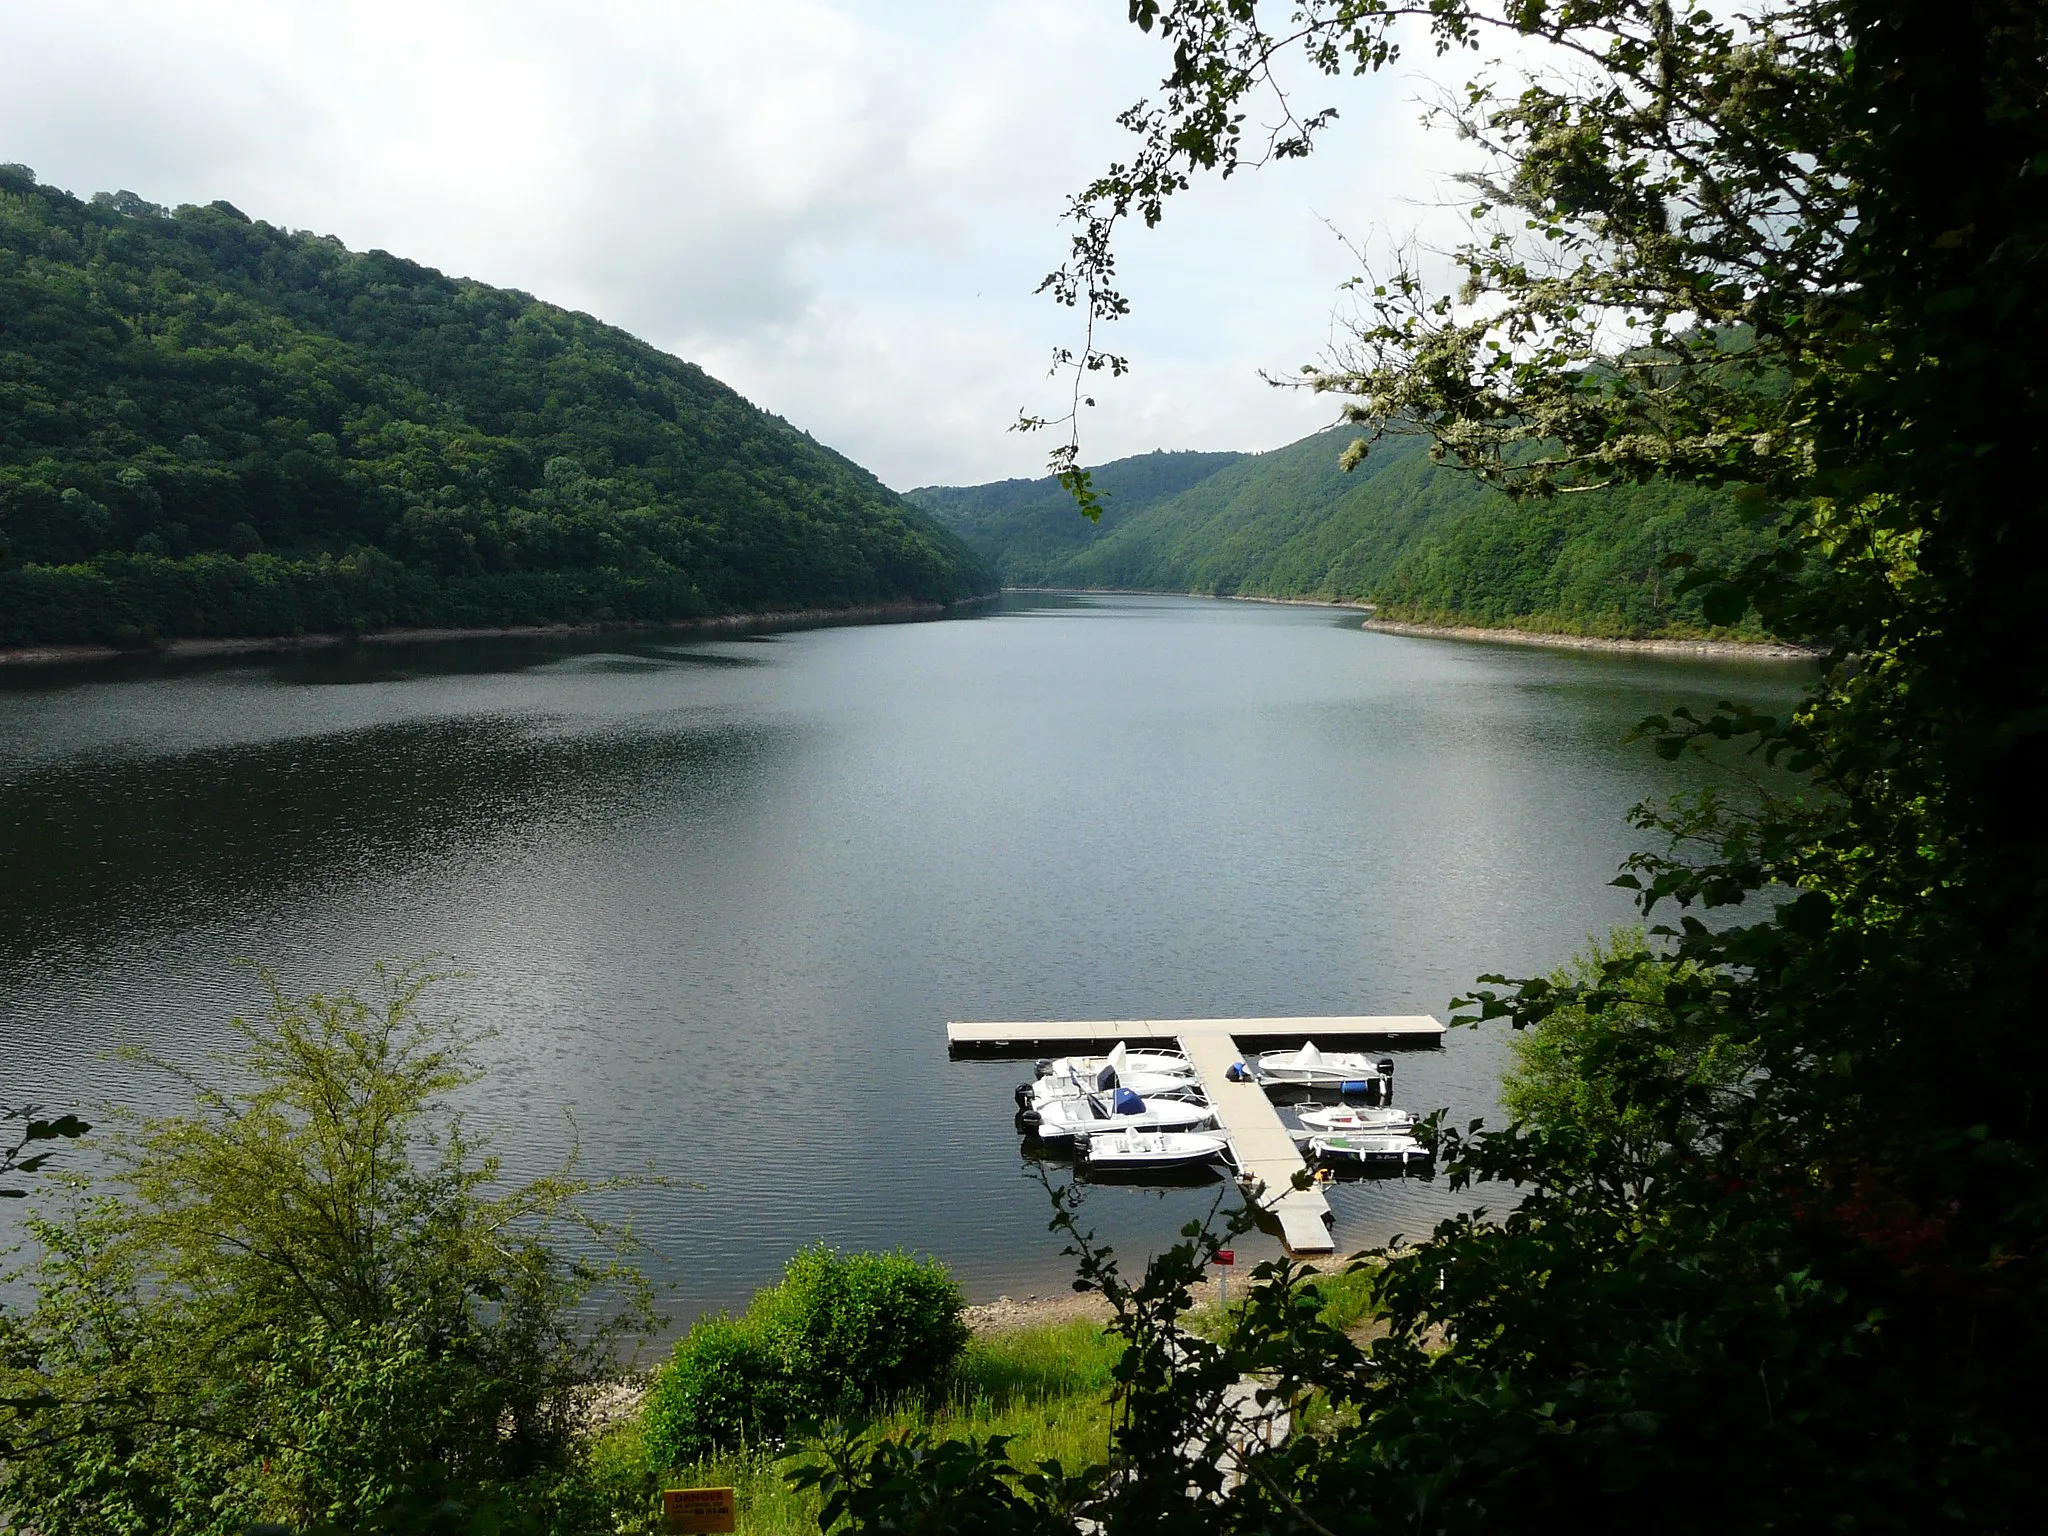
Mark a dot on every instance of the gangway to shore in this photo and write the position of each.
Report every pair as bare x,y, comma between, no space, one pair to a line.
1260,1143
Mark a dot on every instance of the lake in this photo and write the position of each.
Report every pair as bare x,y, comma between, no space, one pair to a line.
718,897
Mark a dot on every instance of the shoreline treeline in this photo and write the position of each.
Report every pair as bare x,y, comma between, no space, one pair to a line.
211,426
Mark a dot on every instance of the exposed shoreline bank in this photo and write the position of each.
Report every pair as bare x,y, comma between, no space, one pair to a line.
1720,650
1738,650
251,645
1217,597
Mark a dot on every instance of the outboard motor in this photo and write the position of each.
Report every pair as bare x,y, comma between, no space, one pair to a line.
1043,1065
1386,1065
1023,1095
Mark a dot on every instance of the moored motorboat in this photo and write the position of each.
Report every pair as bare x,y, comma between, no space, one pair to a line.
1313,1067
1123,1060
1136,1150
1120,1109
1389,1150
1041,1091
1365,1119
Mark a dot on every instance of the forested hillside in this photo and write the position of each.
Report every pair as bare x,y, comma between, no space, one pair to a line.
1029,528
210,426
1422,540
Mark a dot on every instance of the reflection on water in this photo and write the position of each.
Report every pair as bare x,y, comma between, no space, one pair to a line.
718,898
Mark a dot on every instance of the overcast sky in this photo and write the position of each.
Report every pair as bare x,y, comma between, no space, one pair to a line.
840,208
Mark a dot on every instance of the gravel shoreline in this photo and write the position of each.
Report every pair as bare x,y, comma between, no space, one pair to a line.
1720,650
1739,650
1007,1314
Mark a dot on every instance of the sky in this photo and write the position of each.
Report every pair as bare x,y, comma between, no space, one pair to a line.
839,207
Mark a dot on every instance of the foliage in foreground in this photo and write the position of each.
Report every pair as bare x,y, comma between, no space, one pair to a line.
1045,1390
212,426
839,1334
309,1301
1782,1262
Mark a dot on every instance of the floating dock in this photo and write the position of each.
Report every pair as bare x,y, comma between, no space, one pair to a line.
1260,1143
1018,1038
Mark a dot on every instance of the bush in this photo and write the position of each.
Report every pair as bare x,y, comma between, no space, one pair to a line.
309,1300
721,1387
864,1327
841,1333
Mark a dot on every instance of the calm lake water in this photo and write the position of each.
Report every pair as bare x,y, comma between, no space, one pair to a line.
719,897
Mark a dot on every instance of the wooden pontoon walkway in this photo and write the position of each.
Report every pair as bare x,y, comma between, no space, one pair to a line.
1018,1037
1260,1142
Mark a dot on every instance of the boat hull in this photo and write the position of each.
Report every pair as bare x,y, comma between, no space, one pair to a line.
1371,1151
1157,1063
1150,1151
1346,1121
1068,1118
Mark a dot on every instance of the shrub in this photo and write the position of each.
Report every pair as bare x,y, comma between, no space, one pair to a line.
840,1333
310,1300
720,1388
864,1327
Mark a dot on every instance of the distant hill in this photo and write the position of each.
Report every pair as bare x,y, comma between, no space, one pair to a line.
1029,528
212,426
1420,540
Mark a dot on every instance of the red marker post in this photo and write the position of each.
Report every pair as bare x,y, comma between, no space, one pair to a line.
1225,1258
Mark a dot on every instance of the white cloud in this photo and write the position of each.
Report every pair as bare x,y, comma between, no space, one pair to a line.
840,208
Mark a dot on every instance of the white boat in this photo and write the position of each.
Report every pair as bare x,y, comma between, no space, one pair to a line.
1119,1109
1041,1091
1123,1060
1348,1071
1153,1149
1349,1119
1373,1151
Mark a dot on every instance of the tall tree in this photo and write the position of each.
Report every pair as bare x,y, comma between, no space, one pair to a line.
1797,250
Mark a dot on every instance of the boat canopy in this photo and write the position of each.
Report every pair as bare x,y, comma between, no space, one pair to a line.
1128,1103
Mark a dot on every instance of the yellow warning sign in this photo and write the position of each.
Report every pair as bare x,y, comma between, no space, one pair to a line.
697,1510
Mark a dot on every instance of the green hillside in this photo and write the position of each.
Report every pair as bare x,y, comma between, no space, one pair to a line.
211,426
1421,540
1028,528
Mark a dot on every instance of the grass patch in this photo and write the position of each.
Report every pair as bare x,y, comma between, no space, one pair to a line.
1346,1302
1047,1388
1347,1299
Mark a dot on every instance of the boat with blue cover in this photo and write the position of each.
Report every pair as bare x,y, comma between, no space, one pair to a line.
1312,1067
1120,1110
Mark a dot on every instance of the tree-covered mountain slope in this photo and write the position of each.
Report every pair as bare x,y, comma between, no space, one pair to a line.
1029,528
1421,540
212,426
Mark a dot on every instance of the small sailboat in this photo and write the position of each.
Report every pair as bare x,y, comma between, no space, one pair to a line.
1370,1151
1135,1151
1119,1109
